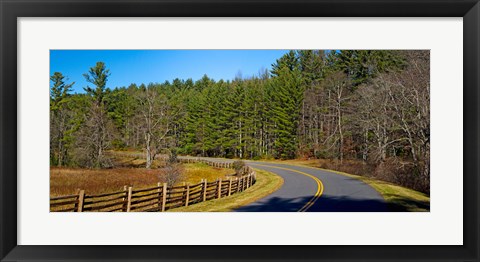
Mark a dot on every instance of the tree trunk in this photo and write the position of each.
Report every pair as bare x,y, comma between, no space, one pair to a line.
149,150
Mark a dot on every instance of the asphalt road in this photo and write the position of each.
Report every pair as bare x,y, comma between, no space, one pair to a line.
313,190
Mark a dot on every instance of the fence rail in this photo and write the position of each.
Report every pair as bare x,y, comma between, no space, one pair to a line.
157,198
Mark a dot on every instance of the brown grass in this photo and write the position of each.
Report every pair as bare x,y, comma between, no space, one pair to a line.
66,181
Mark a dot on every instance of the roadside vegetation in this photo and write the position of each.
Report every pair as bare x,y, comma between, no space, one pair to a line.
266,184
65,181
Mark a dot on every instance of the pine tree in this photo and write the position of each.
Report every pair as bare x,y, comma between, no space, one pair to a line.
97,132
363,65
60,122
286,96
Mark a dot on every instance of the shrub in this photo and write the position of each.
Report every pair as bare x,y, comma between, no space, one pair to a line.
403,173
172,158
173,173
353,167
239,167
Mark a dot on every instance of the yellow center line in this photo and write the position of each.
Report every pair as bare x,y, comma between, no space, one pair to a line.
319,186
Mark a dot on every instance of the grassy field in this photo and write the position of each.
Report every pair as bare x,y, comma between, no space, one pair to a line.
266,184
65,181
398,198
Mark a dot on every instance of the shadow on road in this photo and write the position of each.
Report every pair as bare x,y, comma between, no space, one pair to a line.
327,204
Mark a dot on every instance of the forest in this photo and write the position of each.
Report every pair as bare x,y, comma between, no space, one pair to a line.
364,111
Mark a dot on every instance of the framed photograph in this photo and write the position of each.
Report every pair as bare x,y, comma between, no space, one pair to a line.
247,131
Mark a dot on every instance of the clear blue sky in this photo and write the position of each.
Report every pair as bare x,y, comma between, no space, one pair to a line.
157,66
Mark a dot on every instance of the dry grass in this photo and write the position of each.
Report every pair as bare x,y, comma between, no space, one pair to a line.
399,198
66,181
131,160
266,184
197,171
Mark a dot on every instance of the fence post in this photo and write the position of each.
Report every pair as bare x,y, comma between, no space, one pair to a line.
129,199
75,205
81,197
124,207
219,188
238,184
240,181
187,197
229,186
159,185
204,190
164,196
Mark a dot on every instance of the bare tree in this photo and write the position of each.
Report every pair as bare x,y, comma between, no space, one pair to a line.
337,85
409,93
155,121
375,116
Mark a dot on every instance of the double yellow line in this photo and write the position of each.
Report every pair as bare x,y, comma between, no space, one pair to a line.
319,186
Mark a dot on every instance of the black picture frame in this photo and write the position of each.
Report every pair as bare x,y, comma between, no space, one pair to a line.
11,10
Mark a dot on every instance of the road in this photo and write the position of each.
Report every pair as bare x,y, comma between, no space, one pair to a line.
308,189
313,190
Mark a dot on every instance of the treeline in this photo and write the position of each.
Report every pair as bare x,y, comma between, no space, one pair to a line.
363,105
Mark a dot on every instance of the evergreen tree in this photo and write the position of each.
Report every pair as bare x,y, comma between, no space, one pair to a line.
363,65
60,122
95,135
286,97
98,76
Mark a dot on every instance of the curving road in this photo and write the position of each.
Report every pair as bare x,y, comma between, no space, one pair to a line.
314,190
308,189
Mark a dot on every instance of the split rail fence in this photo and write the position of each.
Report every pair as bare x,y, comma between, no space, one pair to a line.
158,198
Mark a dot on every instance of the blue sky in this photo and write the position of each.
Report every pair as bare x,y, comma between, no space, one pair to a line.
157,66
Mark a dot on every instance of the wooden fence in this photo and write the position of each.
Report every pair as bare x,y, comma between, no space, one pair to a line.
158,198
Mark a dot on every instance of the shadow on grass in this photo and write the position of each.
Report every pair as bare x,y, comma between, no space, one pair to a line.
333,204
398,203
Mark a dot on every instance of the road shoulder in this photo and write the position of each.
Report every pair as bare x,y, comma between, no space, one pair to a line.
267,183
